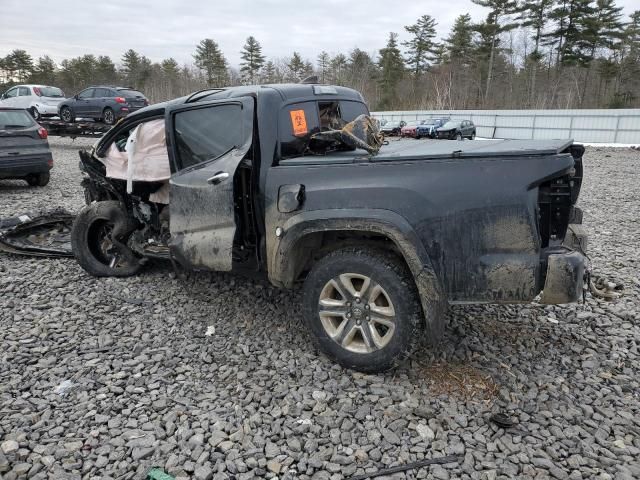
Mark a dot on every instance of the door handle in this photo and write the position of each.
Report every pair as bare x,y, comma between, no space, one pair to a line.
218,178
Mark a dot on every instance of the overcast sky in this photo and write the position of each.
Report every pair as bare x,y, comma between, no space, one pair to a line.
163,28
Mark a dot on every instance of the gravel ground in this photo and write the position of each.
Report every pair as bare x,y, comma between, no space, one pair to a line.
107,377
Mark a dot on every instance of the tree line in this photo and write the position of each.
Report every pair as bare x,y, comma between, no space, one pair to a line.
524,54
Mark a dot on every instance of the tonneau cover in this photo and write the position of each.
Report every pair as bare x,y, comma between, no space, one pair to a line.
409,149
423,150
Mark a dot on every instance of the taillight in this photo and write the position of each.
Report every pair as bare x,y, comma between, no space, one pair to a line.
42,132
37,91
121,100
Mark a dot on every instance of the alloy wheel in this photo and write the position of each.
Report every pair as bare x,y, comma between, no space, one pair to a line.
109,117
357,313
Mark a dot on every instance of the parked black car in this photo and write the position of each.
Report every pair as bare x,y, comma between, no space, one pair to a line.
102,103
393,127
24,149
457,130
429,127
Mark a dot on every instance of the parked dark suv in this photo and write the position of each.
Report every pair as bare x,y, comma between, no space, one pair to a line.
457,130
24,149
102,103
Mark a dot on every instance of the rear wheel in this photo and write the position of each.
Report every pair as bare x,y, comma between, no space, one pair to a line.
67,115
363,309
473,136
35,114
99,240
38,179
109,116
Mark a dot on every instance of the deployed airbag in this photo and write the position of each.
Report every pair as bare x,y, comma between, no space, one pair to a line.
147,149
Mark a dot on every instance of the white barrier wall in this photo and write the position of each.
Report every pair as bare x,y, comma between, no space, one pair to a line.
589,126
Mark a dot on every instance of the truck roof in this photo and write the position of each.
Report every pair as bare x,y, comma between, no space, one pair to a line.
285,91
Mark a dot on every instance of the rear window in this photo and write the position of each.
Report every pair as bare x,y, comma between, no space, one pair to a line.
130,93
54,92
299,121
15,119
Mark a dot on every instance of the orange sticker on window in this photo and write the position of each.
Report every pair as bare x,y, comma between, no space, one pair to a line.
298,122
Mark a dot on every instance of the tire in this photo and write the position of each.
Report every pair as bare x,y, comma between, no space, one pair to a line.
459,136
98,240
35,114
473,136
66,115
38,179
334,280
109,116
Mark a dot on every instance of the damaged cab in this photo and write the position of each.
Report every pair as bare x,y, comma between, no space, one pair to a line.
290,182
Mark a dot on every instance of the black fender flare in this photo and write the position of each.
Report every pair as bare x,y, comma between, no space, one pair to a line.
281,262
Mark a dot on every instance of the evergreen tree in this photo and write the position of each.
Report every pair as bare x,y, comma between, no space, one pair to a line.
105,70
534,15
337,67
20,64
170,68
136,68
421,48
296,67
44,71
391,69
323,65
459,44
252,60
497,23
211,61
628,79
308,69
269,72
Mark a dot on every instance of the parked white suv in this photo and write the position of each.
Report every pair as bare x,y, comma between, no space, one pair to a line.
39,100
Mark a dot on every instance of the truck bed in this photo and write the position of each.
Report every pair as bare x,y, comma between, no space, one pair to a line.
410,149
427,150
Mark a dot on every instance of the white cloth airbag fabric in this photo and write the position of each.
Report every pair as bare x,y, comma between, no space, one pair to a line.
150,160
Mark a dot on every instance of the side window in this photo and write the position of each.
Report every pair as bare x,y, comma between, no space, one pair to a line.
24,92
100,93
330,118
88,93
13,92
351,110
297,123
206,133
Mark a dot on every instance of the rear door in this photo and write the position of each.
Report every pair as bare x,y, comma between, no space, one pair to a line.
206,142
82,105
24,97
98,102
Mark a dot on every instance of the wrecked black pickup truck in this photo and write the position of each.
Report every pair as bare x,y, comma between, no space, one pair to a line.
383,238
